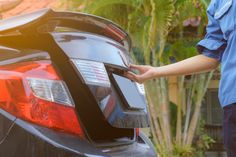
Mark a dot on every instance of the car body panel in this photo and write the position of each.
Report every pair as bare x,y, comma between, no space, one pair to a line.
90,47
47,20
17,22
26,139
6,123
96,48
92,38
122,117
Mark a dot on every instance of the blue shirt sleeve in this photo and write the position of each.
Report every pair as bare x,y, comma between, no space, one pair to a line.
213,45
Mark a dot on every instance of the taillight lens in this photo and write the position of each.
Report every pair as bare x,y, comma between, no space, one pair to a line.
93,73
34,92
51,90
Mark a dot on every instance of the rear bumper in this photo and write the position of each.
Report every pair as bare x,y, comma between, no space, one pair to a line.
141,148
28,140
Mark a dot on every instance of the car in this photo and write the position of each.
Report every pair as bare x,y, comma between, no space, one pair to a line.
62,88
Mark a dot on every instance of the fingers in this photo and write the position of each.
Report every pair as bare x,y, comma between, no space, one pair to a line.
138,67
137,73
134,77
131,76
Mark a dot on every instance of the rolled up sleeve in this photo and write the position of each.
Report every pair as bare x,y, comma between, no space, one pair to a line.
213,44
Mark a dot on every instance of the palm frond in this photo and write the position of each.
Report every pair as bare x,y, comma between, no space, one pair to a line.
95,5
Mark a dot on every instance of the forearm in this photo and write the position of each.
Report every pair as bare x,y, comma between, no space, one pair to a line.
196,64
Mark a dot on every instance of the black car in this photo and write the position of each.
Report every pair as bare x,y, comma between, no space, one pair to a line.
62,89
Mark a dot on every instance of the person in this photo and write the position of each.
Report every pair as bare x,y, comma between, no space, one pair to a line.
218,46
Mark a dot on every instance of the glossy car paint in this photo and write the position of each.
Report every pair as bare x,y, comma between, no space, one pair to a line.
102,138
90,47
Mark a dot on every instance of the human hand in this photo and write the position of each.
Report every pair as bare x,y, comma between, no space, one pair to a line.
146,72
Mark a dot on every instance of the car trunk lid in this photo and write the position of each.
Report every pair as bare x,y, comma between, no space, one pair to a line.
89,38
122,104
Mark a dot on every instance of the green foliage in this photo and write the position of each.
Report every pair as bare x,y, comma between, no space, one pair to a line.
96,6
179,50
183,151
188,9
205,3
202,141
148,21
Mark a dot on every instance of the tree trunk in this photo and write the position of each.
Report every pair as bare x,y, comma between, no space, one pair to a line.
165,113
179,110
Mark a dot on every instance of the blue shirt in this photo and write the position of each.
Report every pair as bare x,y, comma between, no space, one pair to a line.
220,43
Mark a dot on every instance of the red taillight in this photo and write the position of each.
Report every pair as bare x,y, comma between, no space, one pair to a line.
137,132
34,92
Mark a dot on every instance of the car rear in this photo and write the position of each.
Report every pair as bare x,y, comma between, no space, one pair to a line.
63,92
